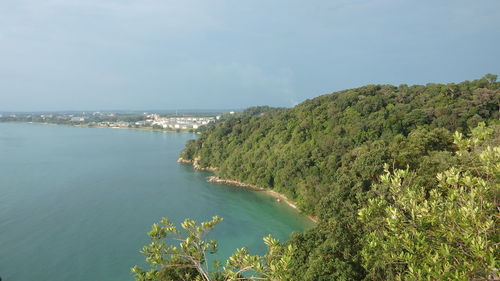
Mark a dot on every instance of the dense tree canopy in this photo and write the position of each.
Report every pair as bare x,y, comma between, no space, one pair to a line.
328,154
447,232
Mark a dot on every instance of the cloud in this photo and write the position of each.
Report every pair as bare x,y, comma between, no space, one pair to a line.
222,53
243,84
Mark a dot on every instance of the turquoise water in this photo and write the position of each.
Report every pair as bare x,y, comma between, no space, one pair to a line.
76,203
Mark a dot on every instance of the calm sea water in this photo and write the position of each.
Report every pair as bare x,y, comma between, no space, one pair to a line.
76,203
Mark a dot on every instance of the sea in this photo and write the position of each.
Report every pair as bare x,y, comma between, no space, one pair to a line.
76,203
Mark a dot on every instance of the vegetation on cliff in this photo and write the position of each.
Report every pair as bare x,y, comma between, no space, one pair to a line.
328,154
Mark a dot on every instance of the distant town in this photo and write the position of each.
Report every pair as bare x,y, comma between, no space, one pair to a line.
185,122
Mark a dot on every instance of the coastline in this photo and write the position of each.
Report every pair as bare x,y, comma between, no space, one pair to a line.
98,127
196,164
280,197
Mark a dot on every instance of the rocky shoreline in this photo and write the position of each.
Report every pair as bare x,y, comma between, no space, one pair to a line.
279,197
196,164
234,183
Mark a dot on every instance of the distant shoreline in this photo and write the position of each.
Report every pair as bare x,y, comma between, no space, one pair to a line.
280,197
101,127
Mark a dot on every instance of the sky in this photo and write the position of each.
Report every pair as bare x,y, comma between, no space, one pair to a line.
227,54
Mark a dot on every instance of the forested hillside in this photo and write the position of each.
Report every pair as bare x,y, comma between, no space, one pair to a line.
328,154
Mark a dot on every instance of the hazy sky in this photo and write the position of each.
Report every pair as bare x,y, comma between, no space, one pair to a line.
211,54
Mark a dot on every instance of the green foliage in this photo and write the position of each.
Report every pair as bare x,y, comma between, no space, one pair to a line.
327,154
446,233
260,110
298,151
189,260
189,151
272,266
491,78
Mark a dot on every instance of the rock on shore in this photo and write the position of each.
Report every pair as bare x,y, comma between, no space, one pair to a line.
196,164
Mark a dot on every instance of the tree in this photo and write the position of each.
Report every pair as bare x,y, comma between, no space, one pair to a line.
491,78
447,233
189,261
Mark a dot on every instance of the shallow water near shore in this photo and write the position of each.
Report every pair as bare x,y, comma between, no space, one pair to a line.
76,203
